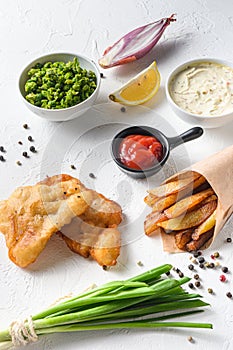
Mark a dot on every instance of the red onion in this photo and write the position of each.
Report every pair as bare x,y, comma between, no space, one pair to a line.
135,44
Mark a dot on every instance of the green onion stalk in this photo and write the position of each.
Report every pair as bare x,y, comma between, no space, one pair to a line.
149,300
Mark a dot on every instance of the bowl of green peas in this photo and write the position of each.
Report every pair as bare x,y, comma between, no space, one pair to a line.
60,86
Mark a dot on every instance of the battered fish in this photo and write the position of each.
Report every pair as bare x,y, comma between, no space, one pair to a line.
32,214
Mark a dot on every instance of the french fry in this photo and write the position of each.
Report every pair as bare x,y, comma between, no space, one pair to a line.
164,202
207,225
191,219
151,223
151,200
188,174
177,186
182,238
195,245
187,203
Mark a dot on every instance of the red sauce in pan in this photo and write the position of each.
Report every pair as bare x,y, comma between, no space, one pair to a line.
140,151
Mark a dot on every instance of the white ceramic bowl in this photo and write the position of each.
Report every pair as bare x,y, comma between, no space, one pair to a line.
65,113
204,121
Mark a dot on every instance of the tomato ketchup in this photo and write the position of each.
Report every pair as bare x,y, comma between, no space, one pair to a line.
140,151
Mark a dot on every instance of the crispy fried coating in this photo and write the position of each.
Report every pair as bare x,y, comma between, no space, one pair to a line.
102,244
94,233
32,214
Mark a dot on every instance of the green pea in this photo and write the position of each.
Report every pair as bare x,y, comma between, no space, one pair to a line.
56,85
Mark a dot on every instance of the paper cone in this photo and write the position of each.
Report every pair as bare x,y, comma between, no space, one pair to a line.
218,171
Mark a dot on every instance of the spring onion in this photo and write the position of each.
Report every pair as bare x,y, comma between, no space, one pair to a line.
149,300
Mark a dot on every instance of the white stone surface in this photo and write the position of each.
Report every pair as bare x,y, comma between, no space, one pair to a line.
30,28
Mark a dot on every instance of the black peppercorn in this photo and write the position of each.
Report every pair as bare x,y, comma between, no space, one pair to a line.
197,284
191,285
191,267
211,265
92,176
72,167
25,154
202,266
224,269
229,240
196,276
229,295
201,259
2,149
2,159
20,142
123,109
181,274
30,138
25,126
32,149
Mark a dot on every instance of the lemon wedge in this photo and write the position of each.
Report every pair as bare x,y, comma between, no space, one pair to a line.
139,89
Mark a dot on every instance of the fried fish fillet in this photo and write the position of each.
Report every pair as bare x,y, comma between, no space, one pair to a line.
32,214
94,233
102,244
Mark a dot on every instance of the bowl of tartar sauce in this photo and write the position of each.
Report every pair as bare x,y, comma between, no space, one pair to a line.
201,91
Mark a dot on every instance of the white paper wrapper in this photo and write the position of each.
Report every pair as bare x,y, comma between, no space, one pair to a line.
218,171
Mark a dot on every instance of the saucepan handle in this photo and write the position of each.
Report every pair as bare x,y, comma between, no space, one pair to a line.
186,136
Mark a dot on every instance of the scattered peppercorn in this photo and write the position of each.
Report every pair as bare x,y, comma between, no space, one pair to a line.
139,263
197,284
191,285
181,274
194,261
191,267
18,163
2,159
222,278
190,339
25,154
211,265
105,267
20,142
102,75
216,255
229,240
25,126
196,276
91,175
32,149
202,266
199,253
30,139
210,290
72,167
224,269
201,259
2,149
195,254
123,109
229,295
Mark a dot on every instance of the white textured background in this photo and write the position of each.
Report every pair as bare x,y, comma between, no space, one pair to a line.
30,28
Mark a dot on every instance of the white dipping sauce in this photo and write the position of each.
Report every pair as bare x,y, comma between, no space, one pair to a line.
204,88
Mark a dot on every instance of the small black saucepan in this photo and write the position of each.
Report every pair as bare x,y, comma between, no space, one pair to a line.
168,143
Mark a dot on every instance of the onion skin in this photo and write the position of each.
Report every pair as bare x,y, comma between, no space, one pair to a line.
129,49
